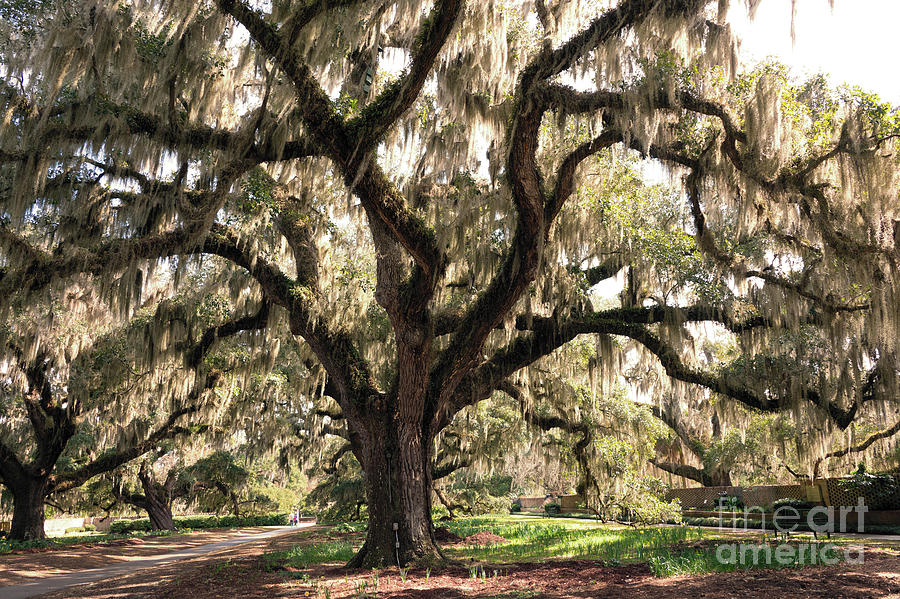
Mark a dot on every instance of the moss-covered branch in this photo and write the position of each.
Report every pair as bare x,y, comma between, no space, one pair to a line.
863,445
396,98
381,199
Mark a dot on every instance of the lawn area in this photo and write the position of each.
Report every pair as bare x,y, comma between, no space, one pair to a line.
490,543
529,540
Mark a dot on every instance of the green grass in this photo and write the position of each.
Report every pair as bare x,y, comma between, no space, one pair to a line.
669,551
7,545
755,524
557,538
303,556
703,561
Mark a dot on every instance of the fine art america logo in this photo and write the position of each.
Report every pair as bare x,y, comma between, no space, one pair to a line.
786,520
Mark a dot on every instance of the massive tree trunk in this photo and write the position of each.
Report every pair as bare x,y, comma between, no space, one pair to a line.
396,461
28,508
157,499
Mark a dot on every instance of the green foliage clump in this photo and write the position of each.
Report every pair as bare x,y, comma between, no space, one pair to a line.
797,504
729,503
85,528
203,521
351,526
880,491
10,545
552,508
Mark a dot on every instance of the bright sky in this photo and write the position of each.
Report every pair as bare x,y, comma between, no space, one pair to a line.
857,43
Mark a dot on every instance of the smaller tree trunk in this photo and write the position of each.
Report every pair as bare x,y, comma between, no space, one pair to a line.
28,509
719,477
157,500
228,494
160,512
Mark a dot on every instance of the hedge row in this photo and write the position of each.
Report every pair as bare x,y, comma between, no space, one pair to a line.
143,524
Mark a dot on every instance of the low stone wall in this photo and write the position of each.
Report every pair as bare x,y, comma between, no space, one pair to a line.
826,491
531,503
567,503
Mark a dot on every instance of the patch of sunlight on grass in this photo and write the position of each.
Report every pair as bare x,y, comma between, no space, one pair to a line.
549,538
303,556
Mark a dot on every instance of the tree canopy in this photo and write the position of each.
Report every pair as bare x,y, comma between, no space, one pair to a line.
422,198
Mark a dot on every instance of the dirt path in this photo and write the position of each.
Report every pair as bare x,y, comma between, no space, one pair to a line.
33,574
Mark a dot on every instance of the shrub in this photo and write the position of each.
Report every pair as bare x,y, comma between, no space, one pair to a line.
123,526
797,504
204,521
552,508
880,491
516,507
351,526
654,510
439,512
729,503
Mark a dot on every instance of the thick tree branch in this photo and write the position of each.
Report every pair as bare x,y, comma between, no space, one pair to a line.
248,323
668,417
110,461
11,468
624,16
331,467
380,198
174,134
444,469
380,114
683,470
861,446
532,202
336,351
565,176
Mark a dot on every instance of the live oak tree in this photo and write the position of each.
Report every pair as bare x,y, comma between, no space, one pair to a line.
155,496
871,441
210,482
217,480
83,396
335,157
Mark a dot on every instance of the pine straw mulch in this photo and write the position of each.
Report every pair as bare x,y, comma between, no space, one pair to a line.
445,536
485,537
